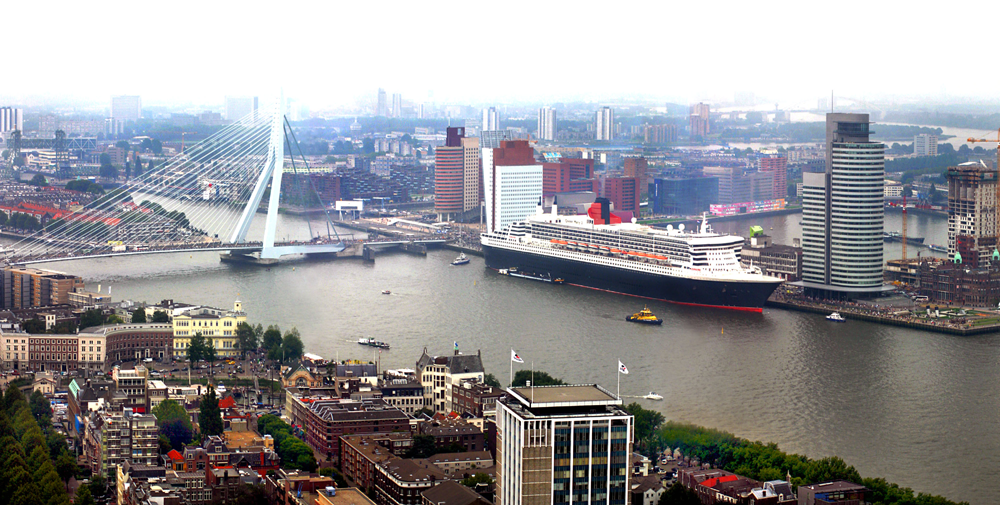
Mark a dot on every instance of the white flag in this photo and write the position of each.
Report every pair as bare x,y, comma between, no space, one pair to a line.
622,368
514,357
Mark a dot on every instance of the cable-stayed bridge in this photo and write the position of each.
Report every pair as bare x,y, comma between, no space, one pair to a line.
202,199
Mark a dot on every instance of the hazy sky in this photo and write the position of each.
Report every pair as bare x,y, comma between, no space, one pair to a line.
332,53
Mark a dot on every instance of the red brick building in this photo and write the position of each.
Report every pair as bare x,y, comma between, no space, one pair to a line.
778,165
568,174
472,397
325,420
623,193
360,454
637,167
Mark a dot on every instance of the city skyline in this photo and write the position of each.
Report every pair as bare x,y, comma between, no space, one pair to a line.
795,43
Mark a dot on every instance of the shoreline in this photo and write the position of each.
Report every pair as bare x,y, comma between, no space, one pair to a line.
851,313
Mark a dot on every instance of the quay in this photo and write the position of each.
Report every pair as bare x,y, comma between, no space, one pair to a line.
966,328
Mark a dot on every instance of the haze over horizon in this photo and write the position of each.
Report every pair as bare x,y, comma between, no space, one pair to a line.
328,56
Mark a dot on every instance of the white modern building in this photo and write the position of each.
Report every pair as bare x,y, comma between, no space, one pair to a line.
843,214
512,192
126,108
546,123
397,105
604,126
491,119
440,374
11,119
239,107
562,444
925,145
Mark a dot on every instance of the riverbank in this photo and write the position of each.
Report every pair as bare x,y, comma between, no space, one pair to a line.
886,316
723,219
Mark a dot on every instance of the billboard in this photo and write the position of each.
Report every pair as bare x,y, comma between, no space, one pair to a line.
732,209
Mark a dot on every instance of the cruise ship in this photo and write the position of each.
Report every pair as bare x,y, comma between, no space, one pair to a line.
598,251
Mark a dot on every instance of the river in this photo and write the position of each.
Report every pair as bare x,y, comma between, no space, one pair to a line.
917,408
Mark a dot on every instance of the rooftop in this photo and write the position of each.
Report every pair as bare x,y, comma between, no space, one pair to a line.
564,396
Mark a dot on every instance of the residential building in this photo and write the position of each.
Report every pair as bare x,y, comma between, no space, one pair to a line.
11,119
403,393
638,167
475,398
569,175
840,492
893,190
397,105
457,175
647,490
344,496
450,492
698,121
972,213
295,487
218,326
440,374
326,419
925,144
842,213
113,438
240,107
659,133
126,108
491,119
513,183
953,282
360,454
547,123
452,432
401,481
459,465
129,342
132,383
686,196
604,124
623,192
562,444
22,287
777,165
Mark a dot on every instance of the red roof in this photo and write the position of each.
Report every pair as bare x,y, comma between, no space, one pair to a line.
719,480
174,455
227,403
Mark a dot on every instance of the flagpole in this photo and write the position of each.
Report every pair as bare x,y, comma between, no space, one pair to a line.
618,372
511,383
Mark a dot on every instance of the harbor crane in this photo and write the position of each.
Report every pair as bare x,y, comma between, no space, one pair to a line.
996,211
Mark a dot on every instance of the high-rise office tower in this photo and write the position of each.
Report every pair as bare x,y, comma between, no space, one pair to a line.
698,121
381,107
456,175
11,119
240,107
547,123
972,212
842,213
513,183
397,105
925,144
604,125
561,445
126,108
777,165
491,119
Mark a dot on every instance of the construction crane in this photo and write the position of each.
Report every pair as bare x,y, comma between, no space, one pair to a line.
996,212
182,138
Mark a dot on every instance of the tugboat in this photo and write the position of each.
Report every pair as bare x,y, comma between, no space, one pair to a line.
460,260
546,277
371,342
386,292
653,396
836,317
644,316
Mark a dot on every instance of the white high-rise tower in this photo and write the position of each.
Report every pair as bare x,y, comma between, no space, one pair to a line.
547,123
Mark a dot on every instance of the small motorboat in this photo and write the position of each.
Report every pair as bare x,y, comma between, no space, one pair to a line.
644,316
653,396
462,259
371,342
836,317
386,292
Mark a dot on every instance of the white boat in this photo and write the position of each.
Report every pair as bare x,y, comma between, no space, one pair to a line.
460,260
653,396
836,317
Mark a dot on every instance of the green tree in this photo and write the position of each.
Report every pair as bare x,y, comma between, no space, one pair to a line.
98,485
291,345
33,326
491,380
123,144
92,317
246,339
84,497
108,171
678,494
66,466
210,417
196,348
139,315
160,316
476,479
157,148
115,319
39,180
537,378
423,447
272,342
646,423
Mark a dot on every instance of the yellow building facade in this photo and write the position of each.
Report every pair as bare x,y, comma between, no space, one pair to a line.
216,325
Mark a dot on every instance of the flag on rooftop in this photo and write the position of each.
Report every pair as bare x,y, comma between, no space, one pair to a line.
514,357
622,368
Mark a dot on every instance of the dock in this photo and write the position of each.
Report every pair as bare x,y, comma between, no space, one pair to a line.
966,328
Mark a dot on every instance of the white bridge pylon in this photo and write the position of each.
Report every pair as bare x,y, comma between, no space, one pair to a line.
203,198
